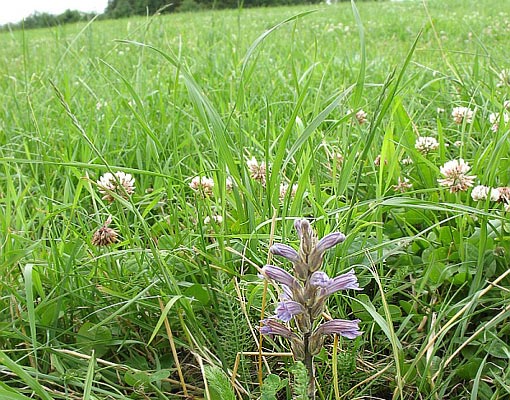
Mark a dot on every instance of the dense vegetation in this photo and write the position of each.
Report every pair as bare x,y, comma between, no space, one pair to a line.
128,8
45,20
224,128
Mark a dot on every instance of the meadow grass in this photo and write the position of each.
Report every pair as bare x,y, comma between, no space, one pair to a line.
172,307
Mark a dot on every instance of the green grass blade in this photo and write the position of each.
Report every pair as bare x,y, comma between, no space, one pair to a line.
29,291
24,376
89,379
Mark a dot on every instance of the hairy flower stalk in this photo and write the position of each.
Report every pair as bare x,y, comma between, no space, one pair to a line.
304,297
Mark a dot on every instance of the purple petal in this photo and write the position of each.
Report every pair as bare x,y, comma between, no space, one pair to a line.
286,294
320,279
287,309
341,282
272,327
283,250
343,327
329,241
301,225
279,275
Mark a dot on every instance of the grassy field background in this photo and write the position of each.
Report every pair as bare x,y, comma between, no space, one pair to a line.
168,309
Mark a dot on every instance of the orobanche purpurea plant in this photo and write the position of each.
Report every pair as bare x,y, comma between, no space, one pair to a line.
303,297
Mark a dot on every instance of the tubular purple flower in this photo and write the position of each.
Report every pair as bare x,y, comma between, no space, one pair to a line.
272,327
288,309
306,236
286,294
320,279
298,224
283,250
329,241
280,275
329,286
343,327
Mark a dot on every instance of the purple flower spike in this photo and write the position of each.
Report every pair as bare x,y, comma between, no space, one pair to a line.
280,275
341,282
272,327
348,329
287,309
283,250
329,241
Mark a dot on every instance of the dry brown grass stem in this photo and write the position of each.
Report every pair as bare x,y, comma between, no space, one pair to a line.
174,351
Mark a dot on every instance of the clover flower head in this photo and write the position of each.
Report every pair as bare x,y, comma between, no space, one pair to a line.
100,104
105,236
119,183
407,161
202,184
229,184
361,117
455,175
504,78
217,219
284,189
339,158
481,192
257,170
504,194
494,119
461,114
403,185
426,144
377,161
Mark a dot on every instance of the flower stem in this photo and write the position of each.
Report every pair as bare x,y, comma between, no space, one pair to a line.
308,361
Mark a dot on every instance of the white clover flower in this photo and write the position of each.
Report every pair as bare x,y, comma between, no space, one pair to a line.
460,114
426,144
100,104
403,185
504,194
361,116
229,183
495,194
377,161
257,171
105,236
407,161
455,177
120,183
284,189
494,120
339,158
504,78
217,219
440,110
202,184
481,192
